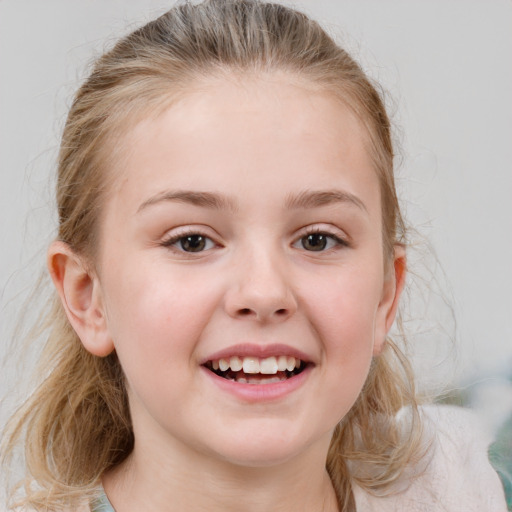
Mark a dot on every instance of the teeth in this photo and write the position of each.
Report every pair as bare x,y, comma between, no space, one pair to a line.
235,363
252,365
260,380
282,363
274,379
268,366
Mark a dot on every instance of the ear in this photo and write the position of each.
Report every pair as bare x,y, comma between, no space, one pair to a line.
80,292
392,289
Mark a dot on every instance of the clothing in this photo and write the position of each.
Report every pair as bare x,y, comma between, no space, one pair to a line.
101,504
455,476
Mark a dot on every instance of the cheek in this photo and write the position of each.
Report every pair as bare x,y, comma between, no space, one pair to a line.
157,320
344,310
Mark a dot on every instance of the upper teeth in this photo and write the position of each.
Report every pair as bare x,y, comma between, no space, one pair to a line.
268,366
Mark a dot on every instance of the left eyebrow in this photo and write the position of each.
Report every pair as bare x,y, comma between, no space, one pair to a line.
308,199
203,199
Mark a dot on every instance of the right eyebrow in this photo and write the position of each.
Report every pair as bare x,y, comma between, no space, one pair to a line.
209,200
318,198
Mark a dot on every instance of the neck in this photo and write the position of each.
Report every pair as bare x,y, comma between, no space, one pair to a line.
152,480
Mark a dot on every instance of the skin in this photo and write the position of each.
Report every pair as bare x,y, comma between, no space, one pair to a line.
164,310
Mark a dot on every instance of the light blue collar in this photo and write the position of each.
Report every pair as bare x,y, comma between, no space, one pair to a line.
101,503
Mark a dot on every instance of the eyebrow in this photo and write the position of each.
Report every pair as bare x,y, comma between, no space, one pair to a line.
216,201
308,199
205,199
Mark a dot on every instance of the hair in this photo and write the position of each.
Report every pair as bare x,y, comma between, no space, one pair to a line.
76,424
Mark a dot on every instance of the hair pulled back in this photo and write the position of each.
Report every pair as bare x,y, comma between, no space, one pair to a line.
77,424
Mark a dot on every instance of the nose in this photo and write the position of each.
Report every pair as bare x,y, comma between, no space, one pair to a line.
261,289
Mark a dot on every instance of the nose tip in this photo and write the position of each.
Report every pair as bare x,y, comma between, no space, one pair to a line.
261,292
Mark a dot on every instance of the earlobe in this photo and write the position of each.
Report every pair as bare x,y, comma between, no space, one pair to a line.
392,290
80,293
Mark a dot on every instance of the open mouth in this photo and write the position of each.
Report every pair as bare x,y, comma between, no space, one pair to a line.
254,370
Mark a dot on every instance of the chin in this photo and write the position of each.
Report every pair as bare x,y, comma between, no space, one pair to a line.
270,448
260,458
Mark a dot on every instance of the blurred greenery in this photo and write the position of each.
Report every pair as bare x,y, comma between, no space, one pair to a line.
500,455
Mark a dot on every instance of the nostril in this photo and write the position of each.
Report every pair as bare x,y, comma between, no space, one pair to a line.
281,313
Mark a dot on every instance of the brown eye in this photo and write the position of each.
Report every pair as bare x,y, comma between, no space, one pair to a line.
320,241
314,242
189,242
193,243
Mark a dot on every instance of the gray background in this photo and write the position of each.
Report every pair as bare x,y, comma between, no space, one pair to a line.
447,68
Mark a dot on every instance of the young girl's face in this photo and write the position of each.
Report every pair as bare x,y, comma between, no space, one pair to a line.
244,229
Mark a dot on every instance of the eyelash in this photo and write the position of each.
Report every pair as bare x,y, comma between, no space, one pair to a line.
174,239
179,237
338,241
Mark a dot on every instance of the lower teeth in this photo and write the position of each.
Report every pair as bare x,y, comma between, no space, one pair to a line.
256,380
244,378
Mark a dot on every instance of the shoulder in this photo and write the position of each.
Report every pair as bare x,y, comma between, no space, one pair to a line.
460,471
456,474
83,507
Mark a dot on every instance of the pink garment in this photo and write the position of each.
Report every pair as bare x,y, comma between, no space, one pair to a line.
457,477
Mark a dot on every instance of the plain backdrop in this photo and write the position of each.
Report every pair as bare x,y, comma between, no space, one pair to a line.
447,68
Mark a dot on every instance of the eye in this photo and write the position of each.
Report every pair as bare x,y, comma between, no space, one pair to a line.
319,241
314,242
192,242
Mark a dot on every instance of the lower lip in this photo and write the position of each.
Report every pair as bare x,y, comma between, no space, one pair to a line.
260,392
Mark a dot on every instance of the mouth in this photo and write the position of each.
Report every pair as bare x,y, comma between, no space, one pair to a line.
254,370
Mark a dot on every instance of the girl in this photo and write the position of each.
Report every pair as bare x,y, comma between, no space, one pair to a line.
229,263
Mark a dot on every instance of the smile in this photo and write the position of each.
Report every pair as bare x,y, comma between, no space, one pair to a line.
254,370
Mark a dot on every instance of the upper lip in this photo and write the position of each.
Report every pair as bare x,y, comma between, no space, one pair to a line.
257,350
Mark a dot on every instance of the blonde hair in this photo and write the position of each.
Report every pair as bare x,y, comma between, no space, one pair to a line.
76,425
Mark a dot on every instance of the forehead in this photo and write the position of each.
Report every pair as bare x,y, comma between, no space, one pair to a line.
268,131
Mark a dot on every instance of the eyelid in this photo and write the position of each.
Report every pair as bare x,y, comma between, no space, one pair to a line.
333,232
176,234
